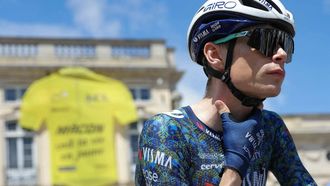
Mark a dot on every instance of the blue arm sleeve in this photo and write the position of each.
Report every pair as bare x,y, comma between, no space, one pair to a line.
162,153
285,163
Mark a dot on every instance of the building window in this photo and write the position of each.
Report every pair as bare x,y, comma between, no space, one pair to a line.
13,160
130,51
134,146
141,93
12,153
14,94
11,125
145,94
75,51
18,50
27,152
134,132
328,156
20,157
134,93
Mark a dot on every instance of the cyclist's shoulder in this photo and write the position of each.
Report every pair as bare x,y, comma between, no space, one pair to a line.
173,120
272,118
271,115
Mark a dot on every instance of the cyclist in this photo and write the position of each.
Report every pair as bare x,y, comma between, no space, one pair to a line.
227,138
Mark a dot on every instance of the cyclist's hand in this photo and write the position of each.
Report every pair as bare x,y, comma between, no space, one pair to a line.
240,139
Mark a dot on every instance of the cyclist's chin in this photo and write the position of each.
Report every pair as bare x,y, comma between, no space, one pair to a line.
271,91
274,95
265,91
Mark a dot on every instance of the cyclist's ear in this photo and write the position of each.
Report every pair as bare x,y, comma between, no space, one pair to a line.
215,56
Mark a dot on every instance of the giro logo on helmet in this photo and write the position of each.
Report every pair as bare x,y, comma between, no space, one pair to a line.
220,5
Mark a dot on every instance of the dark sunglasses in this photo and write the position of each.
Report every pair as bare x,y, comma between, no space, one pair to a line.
265,40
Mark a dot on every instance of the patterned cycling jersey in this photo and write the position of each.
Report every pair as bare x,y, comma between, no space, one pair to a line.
178,149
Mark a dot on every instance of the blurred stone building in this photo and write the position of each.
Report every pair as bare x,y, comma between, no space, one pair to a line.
147,67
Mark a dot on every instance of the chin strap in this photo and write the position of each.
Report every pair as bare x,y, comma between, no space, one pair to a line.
225,77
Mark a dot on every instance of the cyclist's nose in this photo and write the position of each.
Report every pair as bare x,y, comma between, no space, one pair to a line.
280,56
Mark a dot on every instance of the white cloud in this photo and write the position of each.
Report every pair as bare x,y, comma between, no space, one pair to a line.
153,15
103,18
91,17
326,6
139,10
99,18
36,30
88,13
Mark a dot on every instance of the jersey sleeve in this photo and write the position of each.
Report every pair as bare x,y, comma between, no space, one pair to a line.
285,163
162,153
125,110
35,105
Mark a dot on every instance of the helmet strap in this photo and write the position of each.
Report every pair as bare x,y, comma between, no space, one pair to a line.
225,77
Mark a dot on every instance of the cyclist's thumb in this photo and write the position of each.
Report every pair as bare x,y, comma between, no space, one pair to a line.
221,107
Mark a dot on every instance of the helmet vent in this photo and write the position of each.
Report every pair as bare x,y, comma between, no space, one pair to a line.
254,4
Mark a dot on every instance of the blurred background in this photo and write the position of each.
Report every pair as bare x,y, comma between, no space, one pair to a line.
142,43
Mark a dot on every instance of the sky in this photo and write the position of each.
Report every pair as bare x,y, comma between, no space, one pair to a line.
306,89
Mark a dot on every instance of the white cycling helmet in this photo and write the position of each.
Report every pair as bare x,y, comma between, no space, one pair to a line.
219,18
